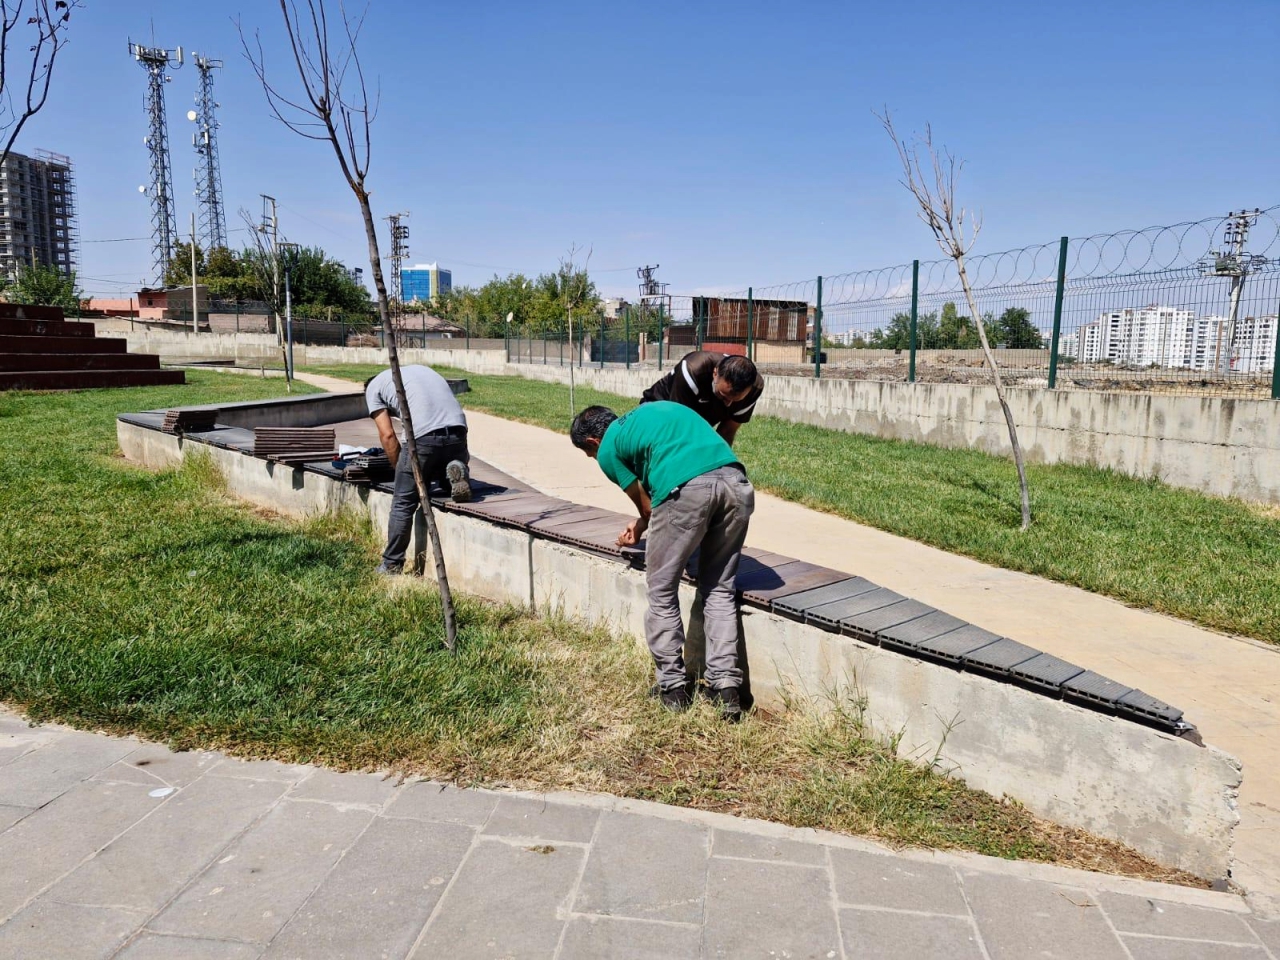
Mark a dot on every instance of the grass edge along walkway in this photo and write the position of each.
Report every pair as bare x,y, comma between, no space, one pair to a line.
1207,560
152,603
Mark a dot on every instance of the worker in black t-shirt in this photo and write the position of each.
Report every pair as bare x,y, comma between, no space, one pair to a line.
723,389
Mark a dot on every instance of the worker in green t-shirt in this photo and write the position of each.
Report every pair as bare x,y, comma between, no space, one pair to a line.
692,494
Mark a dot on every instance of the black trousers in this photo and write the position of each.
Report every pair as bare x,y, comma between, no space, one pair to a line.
434,454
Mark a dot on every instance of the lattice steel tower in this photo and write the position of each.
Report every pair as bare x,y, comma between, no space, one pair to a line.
399,251
164,223
211,218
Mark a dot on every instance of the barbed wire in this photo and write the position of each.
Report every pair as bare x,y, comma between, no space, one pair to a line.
1177,251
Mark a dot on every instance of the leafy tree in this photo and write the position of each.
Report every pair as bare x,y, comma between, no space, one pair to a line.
178,272
318,283
1015,330
45,286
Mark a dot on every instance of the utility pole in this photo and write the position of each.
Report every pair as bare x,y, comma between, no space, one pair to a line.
1235,263
399,251
289,248
270,226
195,300
653,292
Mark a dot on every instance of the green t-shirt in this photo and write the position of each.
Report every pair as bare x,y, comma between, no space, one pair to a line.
662,445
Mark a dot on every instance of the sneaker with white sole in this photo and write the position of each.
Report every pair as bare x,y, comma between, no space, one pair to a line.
459,476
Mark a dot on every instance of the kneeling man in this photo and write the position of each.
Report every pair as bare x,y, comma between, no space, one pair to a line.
692,494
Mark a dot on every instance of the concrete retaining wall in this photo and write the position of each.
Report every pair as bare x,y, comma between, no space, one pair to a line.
250,348
1225,447
1163,795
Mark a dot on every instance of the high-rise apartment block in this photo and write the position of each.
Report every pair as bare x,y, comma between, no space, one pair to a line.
37,213
1165,336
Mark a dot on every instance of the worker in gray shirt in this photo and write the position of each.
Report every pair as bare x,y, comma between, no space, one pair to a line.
440,435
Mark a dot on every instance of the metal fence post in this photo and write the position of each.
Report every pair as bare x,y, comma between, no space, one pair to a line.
544,348
602,335
468,329
626,324
1275,365
817,335
1057,314
915,315
751,323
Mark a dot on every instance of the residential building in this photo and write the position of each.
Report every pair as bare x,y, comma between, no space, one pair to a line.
613,307
1255,350
37,213
1154,335
1163,336
424,282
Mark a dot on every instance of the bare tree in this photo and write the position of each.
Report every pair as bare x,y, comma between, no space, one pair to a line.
42,27
573,290
933,184
332,105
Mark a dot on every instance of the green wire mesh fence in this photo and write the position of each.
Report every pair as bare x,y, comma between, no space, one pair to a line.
1189,309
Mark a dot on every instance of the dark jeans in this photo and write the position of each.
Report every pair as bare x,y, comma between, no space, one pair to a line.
434,454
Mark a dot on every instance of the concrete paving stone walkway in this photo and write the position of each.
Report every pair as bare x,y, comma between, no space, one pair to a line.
114,848
1228,686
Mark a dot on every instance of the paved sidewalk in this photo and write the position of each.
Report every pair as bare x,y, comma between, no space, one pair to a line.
114,848
1229,687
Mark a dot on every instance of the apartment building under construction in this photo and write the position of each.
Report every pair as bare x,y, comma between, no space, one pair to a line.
37,213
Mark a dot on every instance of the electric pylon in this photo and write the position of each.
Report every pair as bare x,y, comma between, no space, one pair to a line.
164,223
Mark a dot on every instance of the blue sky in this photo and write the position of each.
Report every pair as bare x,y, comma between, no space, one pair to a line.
733,144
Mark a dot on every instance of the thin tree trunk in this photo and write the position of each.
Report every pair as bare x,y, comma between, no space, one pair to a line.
410,441
1004,403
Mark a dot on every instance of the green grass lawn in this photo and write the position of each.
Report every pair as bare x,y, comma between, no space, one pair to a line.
1203,559
152,603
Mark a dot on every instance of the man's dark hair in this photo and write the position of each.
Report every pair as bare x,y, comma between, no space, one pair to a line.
738,371
369,380
590,424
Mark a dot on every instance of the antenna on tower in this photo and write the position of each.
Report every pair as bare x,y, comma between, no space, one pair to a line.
212,217
164,223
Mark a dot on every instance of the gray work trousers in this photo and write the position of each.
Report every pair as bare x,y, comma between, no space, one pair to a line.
710,514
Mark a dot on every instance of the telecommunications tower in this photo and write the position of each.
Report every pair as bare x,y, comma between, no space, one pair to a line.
212,227
164,224
399,252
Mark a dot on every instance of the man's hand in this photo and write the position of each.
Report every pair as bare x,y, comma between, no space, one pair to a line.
635,530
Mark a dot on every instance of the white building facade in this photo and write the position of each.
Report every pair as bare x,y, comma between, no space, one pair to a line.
1165,336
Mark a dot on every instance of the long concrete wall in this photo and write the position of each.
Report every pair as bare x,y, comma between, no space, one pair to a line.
1220,446
1215,445
1163,795
250,348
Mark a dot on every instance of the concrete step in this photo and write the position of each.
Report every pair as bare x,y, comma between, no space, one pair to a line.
29,311
26,344
88,379
79,361
10,326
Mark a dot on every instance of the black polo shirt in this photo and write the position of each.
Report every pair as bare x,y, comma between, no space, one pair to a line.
689,383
